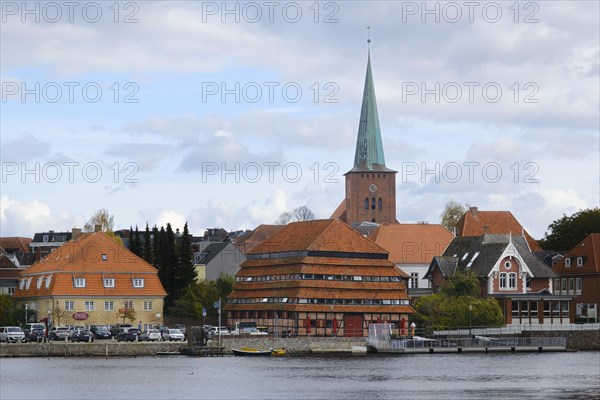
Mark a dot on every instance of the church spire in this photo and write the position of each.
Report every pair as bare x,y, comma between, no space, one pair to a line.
369,147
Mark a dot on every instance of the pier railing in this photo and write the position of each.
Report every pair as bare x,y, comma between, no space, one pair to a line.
466,343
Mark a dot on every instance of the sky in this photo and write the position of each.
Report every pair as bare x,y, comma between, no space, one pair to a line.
226,114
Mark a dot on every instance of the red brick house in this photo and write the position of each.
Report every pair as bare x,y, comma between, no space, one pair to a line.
509,272
579,276
318,278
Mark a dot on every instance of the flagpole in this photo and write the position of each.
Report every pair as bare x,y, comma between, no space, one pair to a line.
219,322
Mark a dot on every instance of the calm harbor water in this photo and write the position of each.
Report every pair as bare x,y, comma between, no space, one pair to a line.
450,376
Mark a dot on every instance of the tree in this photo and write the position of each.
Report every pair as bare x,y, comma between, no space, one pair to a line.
452,213
155,246
567,231
147,246
224,285
167,264
126,313
185,272
458,304
301,213
102,218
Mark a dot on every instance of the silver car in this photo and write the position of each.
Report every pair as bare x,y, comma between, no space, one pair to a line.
12,334
173,334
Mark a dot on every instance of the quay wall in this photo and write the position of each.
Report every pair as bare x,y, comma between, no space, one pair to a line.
98,348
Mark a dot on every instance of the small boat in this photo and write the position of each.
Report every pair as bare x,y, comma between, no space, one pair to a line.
251,351
282,352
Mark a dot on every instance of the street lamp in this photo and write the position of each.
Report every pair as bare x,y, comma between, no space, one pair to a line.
26,313
470,314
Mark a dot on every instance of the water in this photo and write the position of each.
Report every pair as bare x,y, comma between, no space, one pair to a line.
439,376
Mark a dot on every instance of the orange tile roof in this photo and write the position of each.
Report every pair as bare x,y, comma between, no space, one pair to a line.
20,243
318,235
475,223
340,211
83,257
258,235
412,243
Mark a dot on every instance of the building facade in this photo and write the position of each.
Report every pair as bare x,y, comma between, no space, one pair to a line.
579,276
318,278
88,280
508,271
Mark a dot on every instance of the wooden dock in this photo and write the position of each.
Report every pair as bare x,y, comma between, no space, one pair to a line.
203,351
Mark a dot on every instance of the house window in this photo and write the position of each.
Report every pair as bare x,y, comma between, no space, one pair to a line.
533,309
79,282
515,309
104,257
512,281
571,285
580,261
564,286
109,306
48,280
45,238
138,283
69,305
366,203
27,284
502,280
556,286
380,204
39,282
578,286
11,290
147,305
565,308
109,282
373,203
507,265
21,284
546,309
414,280
528,283
89,305
128,304
567,262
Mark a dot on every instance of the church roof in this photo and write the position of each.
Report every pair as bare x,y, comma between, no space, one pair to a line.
369,146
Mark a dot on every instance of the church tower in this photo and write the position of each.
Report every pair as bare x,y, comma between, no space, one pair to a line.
370,185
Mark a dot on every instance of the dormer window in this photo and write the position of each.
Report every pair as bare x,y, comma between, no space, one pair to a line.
109,282
579,261
45,238
27,284
567,262
79,282
21,284
138,283
48,280
39,282
104,257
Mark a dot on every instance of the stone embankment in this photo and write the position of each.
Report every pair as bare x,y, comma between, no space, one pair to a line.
98,348
576,340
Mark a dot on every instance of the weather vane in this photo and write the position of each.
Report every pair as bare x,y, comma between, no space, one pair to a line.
369,36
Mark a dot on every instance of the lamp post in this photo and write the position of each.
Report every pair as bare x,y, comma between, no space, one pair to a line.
470,314
26,306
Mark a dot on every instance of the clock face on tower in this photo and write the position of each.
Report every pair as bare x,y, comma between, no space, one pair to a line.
373,188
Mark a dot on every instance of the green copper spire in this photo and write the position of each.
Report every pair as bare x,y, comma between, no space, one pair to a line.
369,148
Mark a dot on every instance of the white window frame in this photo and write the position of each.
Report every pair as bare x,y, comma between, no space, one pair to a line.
503,281
109,282
39,282
414,280
128,304
578,285
21,284
89,305
148,306
48,280
512,281
79,282
109,305
580,261
138,282
567,262
69,305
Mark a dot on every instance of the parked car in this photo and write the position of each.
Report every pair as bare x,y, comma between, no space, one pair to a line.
82,335
35,325
181,327
162,330
129,335
222,330
151,335
59,333
35,335
100,332
117,328
173,334
11,334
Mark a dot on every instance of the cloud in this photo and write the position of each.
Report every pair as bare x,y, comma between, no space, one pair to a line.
25,147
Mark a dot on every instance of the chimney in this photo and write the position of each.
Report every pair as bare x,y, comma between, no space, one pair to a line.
97,228
75,232
473,211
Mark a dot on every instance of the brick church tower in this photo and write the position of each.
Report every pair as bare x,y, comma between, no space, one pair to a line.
370,185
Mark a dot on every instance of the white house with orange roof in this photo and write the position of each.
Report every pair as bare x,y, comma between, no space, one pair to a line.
87,280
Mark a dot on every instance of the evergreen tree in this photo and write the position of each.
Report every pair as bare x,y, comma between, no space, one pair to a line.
135,243
147,245
131,244
186,274
167,271
155,247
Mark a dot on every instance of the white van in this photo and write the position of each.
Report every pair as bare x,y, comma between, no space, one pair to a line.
11,334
